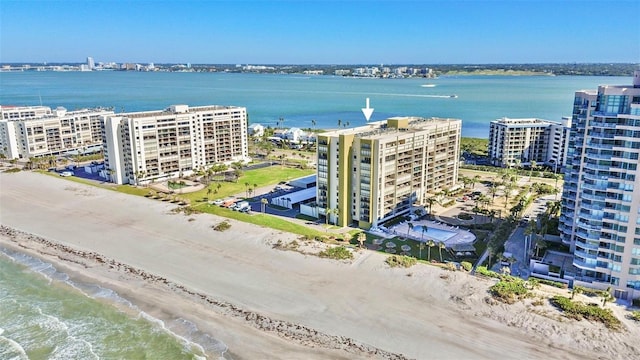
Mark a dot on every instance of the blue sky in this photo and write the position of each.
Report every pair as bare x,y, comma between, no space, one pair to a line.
320,32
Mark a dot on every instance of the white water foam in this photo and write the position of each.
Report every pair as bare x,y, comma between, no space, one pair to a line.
48,271
187,343
10,349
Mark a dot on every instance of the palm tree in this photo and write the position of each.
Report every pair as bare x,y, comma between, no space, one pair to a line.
465,180
246,189
362,238
409,228
347,237
430,244
430,202
508,188
489,253
423,229
474,180
421,246
493,190
328,213
264,203
540,244
492,215
529,231
339,122
606,296
556,177
533,167
441,246
313,124
576,290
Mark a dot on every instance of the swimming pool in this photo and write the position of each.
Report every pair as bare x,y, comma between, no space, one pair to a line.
435,233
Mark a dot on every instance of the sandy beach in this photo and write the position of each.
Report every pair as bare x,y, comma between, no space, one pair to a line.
266,303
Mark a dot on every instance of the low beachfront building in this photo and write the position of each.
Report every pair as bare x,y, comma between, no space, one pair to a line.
256,130
369,174
515,142
142,147
35,131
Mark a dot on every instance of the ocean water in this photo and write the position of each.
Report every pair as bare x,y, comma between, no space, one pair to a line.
300,99
44,315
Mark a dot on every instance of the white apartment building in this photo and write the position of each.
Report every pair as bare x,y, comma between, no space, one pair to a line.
33,131
600,216
372,173
514,142
146,146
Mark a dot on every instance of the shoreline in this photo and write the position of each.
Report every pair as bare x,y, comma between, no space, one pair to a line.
268,303
72,261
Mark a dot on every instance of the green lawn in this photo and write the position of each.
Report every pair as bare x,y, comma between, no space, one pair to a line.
261,177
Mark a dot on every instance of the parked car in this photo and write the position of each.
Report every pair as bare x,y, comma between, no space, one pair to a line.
228,203
217,202
66,173
242,205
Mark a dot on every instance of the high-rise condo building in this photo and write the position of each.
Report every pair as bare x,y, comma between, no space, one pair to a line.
155,145
600,217
33,131
90,63
372,173
513,142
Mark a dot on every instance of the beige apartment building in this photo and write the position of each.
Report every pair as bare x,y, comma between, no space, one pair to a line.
372,173
141,147
33,131
514,142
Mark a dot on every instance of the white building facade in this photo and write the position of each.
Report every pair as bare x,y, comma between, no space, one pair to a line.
600,217
147,146
34,131
514,142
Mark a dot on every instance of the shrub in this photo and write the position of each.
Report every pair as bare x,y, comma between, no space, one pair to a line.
591,312
482,270
464,216
486,226
225,225
12,170
467,266
401,261
509,290
635,315
558,284
338,253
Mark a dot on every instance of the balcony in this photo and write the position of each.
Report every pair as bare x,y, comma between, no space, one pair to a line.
581,264
594,197
586,245
585,254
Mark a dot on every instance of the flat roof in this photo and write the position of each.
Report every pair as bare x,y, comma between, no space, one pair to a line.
295,197
304,181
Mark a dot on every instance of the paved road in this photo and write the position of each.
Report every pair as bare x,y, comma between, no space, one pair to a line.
516,242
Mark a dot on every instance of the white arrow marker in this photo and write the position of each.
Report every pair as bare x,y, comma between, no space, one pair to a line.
367,111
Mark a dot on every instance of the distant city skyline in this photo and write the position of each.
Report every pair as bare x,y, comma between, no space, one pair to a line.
320,32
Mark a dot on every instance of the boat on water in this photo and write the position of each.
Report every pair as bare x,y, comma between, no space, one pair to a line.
453,96
428,85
